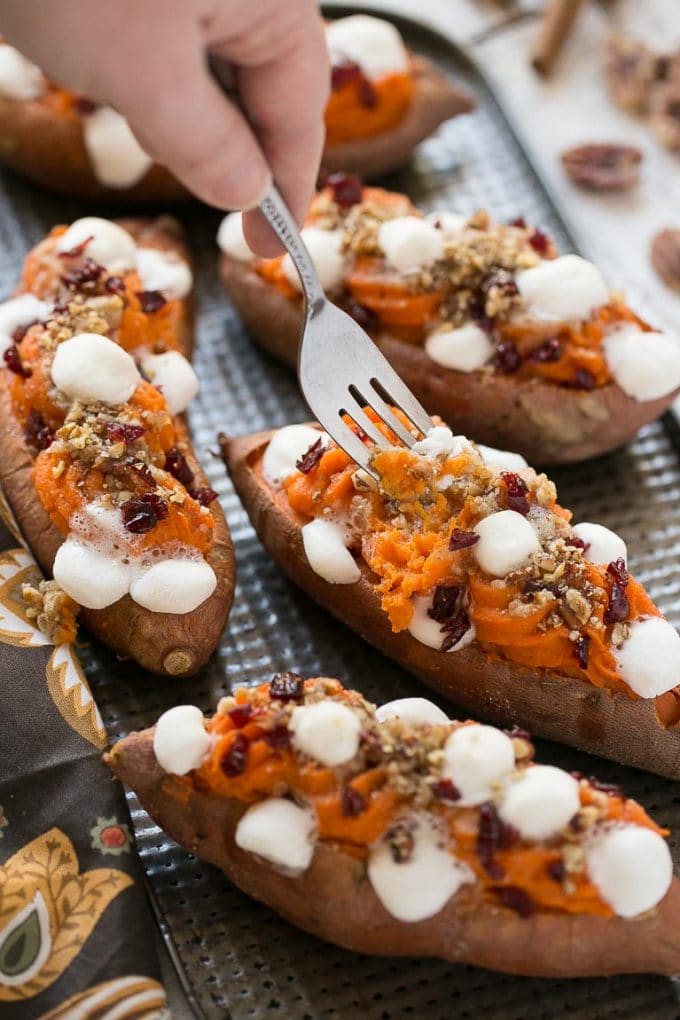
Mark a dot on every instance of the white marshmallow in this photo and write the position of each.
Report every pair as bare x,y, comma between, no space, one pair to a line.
89,576
506,543
604,545
324,250
465,349
164,271
645,365
504,460
375,45
19,78
180,740
649,659
449,223
632,868
328,556
174,586
285,449
91,367
414,711
426,630
109,245
117,158
231,239
410,243
421,886
441,442
17,313
280,832
563,289
175,378
328,732
476,758
540,802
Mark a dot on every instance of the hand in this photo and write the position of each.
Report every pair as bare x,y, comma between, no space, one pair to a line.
149,60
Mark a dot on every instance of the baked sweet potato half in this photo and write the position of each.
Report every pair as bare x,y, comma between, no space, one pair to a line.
460,565
400,832
486,325
96,461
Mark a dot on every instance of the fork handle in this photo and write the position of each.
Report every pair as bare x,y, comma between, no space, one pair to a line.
279,218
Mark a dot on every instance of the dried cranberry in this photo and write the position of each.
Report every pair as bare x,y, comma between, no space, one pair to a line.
529,587
142,513
37,433
368,97
455,629
84,106
347,189
550,350
516,493
493,835
445,789
353,803
12,359
518,221
144,473
618,607
89,272
205,495
582,650
401,842
312,457
287,687
241,715
582,380
362,315
461,539
278,738
114,284
233,762
77,250
342,74
176,465
618,570
577,543
540,242
444,602
557,870
123,432
20,332
507,358
517,900
151,301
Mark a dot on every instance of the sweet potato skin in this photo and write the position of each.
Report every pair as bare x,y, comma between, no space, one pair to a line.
435,99
467,930
51,151
609,724
160,642
548,424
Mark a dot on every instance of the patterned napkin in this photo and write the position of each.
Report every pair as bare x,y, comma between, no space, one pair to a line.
75,928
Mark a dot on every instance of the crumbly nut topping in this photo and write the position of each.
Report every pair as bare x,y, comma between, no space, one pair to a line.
52,610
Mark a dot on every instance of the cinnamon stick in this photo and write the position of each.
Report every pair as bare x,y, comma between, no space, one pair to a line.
556,23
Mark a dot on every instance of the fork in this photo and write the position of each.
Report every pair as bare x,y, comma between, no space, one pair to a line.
340,370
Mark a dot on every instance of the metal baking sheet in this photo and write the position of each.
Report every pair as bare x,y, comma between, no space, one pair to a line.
238,959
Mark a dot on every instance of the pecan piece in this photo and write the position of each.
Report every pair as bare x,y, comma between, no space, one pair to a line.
630,69
664,114
665,256
605,166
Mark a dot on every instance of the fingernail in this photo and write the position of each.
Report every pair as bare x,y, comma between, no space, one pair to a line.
263,191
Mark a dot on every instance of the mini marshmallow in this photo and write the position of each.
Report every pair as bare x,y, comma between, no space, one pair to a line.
649,659
280,832
632,868
231,239
448,223
504,460
180,740
19,312
414,711
506,542
91,367
19,78
285,449
604,545
117,158
324,250
567,288
410,243
423,628
164,271
174,586
107,243
441,442
93,579
327,554
422,885
328,732
375,45
476,758
465,349
540,801
174,377
645,365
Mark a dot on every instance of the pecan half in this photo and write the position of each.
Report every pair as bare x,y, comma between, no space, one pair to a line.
664,114
603,166
630,70
665,256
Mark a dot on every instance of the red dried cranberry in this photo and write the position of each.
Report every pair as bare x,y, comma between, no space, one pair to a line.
114,284
368,97
278,738
353,803
507,358
444,602
445,789
518,221
364,316
347,189
550,350
287,687
89,272
582,380
77,250
123,432
516,493
205,495
151,301
142,513
540,242
342,74
84,106
312,457
618,608
241,715
461,539
454,630
176,465
582,650
493,835
618,570
577,543
557,870
517,900
20,332
12,359
233,762
37,433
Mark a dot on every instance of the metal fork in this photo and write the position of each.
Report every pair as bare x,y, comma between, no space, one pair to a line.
340,370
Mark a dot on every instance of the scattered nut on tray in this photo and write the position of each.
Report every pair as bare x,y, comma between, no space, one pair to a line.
645,82
605,166
665,256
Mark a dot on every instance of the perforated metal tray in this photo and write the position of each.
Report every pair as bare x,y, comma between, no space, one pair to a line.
237,958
